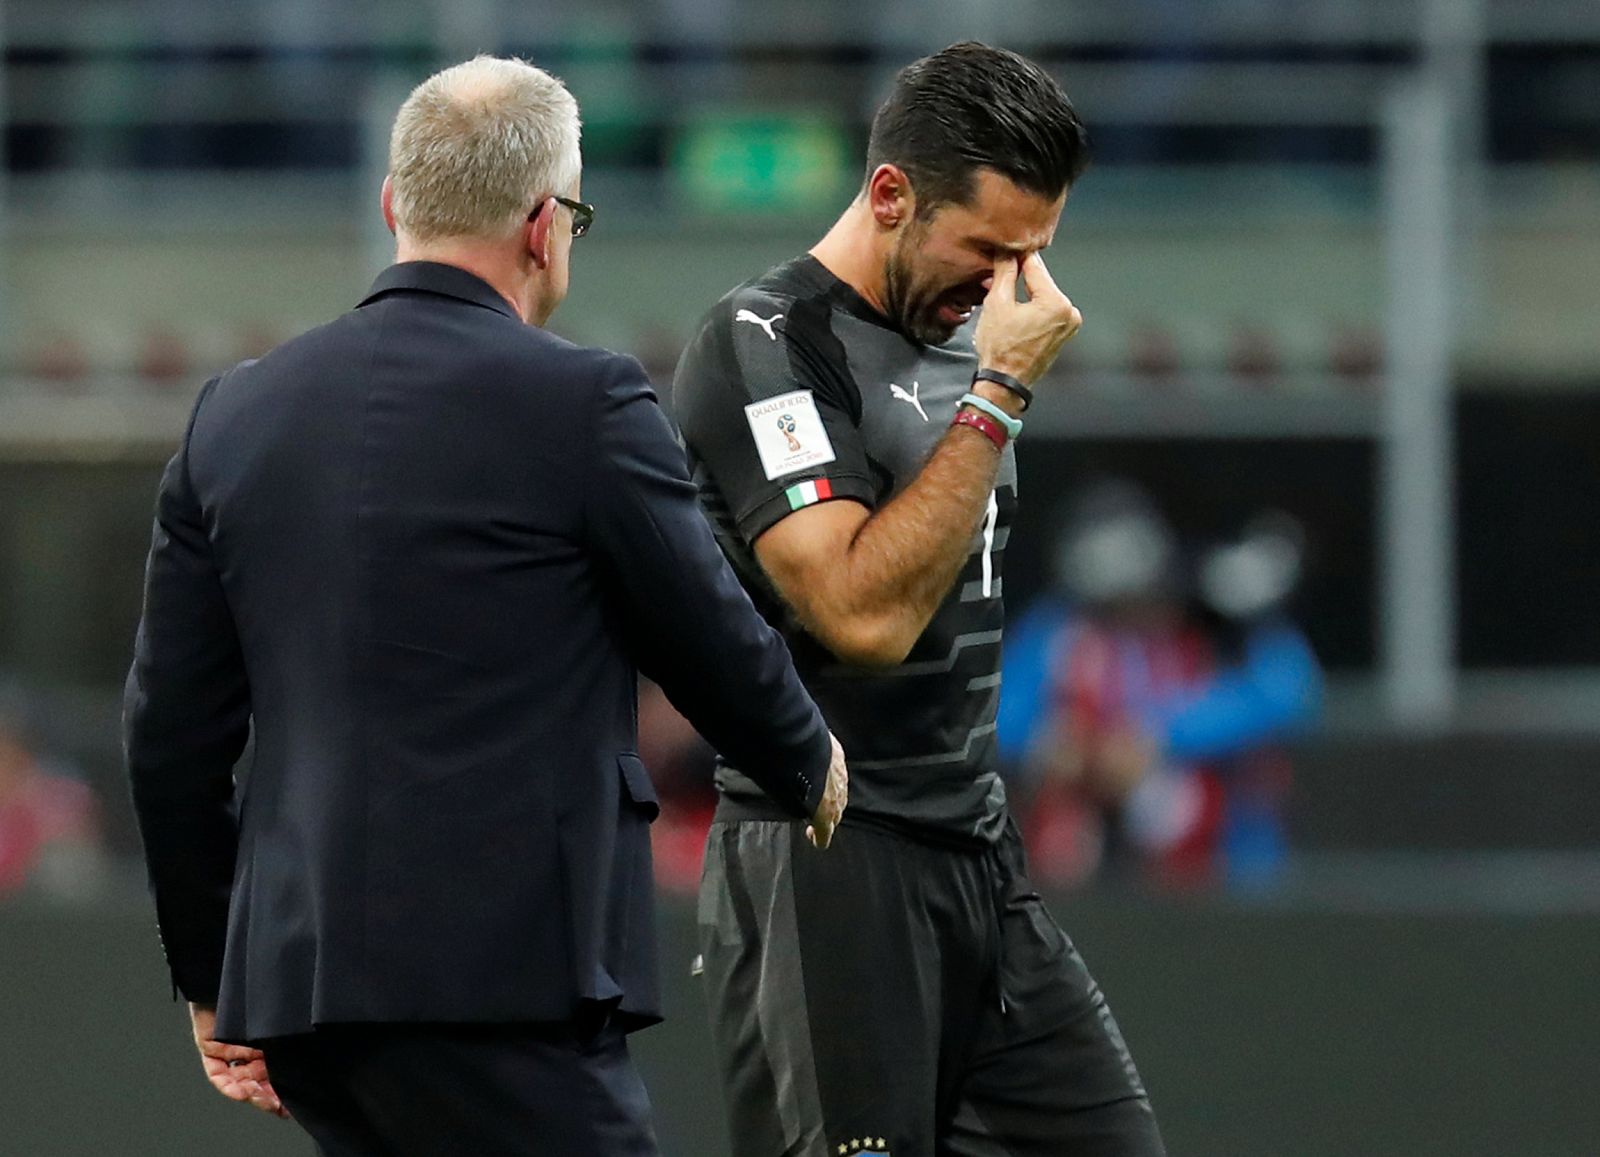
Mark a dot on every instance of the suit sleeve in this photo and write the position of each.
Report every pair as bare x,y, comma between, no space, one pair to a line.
186,717
769,414
692,628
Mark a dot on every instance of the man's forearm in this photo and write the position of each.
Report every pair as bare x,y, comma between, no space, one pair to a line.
905,558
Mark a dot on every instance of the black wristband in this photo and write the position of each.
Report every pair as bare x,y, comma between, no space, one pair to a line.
1006,381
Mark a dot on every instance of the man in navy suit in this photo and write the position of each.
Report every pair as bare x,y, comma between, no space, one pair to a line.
423,552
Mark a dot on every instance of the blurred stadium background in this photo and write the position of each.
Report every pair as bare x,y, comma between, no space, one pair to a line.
1337,260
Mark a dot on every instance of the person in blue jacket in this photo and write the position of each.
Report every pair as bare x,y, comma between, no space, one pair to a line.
1150,727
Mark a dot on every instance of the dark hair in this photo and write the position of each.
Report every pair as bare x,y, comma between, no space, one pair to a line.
970,107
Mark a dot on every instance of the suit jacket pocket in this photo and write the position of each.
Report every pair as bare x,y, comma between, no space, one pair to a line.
636,783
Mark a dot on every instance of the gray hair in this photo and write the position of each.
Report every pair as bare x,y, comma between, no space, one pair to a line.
477,146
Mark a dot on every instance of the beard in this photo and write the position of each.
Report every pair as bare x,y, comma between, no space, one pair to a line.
912,303
912,299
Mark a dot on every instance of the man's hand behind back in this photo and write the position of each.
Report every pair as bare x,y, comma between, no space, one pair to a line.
834,798
237,1072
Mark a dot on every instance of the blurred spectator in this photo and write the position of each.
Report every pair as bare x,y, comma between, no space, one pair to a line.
164,358
1265,685
1142,723
49,819
60,358
681,766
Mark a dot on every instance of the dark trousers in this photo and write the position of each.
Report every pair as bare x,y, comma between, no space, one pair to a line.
891,997
476,1091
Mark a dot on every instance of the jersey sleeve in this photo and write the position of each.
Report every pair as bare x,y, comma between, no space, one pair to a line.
768,411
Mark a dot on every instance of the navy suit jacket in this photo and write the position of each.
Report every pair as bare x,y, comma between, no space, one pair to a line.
423,552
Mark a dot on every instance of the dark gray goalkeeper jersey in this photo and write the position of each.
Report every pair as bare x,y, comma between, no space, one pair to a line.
796,391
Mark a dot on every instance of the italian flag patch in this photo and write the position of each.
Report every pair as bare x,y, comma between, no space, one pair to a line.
807,493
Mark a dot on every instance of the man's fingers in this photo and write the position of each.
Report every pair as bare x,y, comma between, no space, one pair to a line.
230,1088
245,1080
258,1093
1004,285
242,1071
1036,276
227,1052
235,1089
820,830
820,834
268,1102
236,1071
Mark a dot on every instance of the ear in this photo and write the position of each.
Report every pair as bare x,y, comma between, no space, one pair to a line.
889,196
386,200
536,233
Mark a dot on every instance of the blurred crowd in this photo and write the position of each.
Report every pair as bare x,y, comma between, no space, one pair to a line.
1148,694
1148,699
51,842
279,83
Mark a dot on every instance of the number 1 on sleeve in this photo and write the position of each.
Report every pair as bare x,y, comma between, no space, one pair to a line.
991,516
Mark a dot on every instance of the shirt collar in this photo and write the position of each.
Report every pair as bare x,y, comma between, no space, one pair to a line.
436,277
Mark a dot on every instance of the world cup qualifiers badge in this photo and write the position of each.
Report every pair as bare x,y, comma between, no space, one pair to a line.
788,433
787,425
